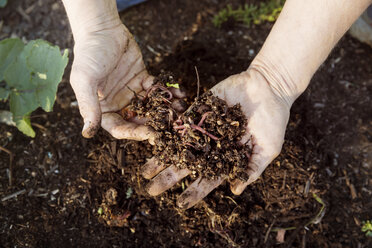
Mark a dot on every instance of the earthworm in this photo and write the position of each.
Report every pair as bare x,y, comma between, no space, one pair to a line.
158,86
203,131
204,116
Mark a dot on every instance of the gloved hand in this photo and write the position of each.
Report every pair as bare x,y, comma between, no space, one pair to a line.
267,111
293,51
106,71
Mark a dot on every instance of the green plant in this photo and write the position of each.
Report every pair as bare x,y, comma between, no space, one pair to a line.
367,228
250,13
3,3
29,77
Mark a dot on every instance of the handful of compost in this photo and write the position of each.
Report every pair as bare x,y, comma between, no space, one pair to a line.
203,139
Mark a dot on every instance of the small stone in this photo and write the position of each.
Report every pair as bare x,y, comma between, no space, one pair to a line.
235,123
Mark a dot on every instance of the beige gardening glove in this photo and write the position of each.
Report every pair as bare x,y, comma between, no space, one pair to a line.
299,42
107,70
267,112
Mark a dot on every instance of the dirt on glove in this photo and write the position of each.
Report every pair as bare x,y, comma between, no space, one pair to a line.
204,138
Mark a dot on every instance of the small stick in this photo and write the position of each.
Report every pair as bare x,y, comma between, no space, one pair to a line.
189,144
198,82
268,231
39,126
15,194
10,164
204,116
204,131
134,93
170,117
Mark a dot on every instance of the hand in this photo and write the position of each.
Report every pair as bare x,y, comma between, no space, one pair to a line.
107,70
267,114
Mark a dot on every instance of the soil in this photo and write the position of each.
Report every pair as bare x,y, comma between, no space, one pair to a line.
203,139
71,190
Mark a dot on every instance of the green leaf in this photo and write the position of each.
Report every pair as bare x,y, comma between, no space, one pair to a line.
24,125
9,50
3,3
47,66
22,103
4,93
177,86
33,75
18,75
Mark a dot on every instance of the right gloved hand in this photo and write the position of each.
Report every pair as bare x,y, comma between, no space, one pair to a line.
267,111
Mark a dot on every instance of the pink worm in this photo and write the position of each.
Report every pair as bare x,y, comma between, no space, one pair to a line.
157,86
179,127
204,116
204,132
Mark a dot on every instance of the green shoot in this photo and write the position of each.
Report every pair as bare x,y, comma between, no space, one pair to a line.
367,228
316,220
177,86
129,193
250,13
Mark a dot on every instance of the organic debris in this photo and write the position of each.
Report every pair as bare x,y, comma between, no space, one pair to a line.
204,139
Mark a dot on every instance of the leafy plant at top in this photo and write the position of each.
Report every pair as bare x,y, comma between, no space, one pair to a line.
31,73
3,3
367,228
250,13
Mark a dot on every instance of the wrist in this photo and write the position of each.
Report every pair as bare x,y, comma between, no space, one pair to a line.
283,83
89,16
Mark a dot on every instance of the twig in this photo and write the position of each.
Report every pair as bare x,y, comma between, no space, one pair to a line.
189,144
316,220
10,164
198,83
15,194
134,93
268,231
42,128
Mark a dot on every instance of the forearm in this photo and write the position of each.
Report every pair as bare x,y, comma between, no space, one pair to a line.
91,15
301,39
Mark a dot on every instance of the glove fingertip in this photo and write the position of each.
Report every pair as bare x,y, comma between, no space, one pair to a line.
89,129
238,187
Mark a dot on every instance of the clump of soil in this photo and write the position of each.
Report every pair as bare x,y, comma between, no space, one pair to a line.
204,138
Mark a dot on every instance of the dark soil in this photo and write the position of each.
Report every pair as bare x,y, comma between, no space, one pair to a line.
75,192
204,138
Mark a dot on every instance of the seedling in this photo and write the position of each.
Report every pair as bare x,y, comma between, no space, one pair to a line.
129,193
250,13
367,228
177,86
29,77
